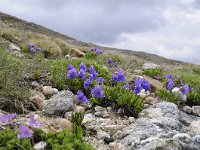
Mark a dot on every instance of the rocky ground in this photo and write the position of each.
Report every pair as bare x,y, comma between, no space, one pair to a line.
159,126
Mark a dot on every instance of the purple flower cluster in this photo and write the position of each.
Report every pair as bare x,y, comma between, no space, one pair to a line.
119,76
110,61
82,97
93,73
170,83
97,91
100,80
87,83
186,89
6,119
98,51
158,77
24,132
141,84
127,86
71,74
34,122
31,47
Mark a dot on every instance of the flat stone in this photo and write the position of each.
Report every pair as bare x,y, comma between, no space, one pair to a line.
194,127
196,110
49,91
150,66
61,123
155,83
151,100
187,109
40,146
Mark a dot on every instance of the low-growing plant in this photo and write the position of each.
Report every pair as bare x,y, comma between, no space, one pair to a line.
62,140
119,97
167,96
153,72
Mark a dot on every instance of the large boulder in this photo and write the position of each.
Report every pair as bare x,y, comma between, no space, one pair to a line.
76,53
157,127
155,83
59,103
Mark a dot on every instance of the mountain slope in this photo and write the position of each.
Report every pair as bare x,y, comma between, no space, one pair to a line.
9,24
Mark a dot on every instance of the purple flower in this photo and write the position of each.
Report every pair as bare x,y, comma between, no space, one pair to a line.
82,97
71,73
115,77
87,83
110,61
81,74
32,49
137,89
97,91
158,77
118,77
24,132
93,49
100,80
99,51
138,85
170,84
6,119
146,85
70,67
127,86
31,45
93,73
39,49
34,122
186,89
83,66
169,76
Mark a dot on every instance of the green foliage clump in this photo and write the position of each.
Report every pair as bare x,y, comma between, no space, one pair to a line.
14,92
62,140
152,72
9,141
167,96
58,70
91,55
118,96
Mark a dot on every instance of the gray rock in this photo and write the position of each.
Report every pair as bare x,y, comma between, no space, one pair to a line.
196,110
196,139
159,122
186,119
59,103
187,109
49,91
40,146
183,137
102,134
150,66
194,127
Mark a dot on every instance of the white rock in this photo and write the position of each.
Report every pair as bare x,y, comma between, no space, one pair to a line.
181,136
131,119
102,135
40,146
150,66
177,91
187,109
196,110
194,127
48,90
12,47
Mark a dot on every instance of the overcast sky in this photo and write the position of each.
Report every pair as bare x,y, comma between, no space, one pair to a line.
170,28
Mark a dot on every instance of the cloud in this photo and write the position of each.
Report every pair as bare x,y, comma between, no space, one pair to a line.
162,27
